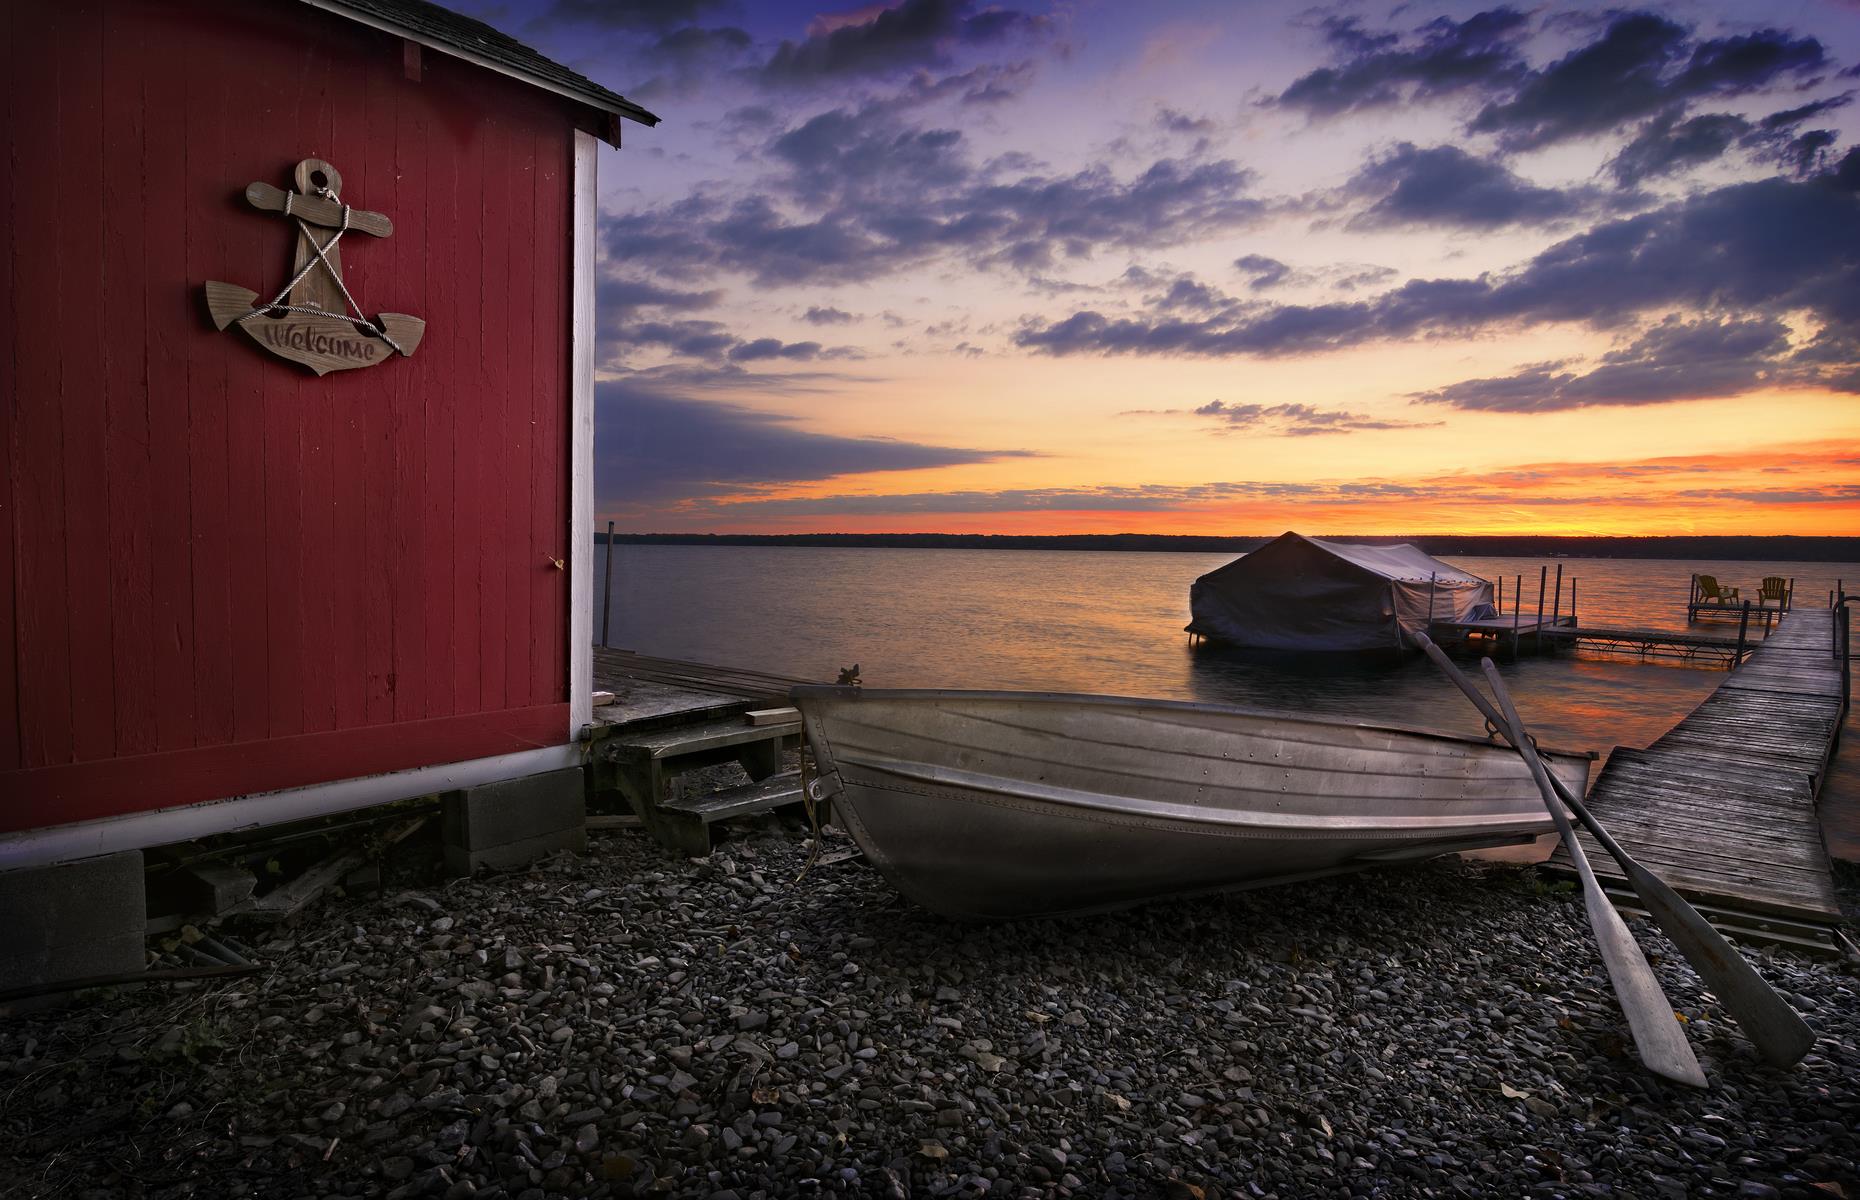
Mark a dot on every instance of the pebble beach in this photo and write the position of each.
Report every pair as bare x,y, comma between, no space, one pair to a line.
629,1023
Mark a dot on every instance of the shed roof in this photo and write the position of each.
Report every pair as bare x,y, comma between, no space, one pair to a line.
451,33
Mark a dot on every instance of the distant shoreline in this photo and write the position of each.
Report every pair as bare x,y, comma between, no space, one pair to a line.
1774,548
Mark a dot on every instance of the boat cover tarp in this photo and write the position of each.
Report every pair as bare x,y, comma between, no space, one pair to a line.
1300,593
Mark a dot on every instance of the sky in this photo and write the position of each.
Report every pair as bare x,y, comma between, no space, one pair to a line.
1225,268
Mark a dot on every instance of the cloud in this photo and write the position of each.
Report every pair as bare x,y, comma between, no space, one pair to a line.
1379,70
1446,186
1762,248
694,45
619,298
1673,360
668,448
1173,120
1842,493
1642,64
768,347
1667,145
1142,498
658,47
1190,293
694,339
656,15
688,59
701,339
1704,481
1265,272
868,195
1288,420
828,316
1778,138
915,33
845,155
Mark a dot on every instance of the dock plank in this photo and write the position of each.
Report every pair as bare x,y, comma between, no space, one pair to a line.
655,690
1722,806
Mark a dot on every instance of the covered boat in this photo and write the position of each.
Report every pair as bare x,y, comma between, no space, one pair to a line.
1300,593
1016,804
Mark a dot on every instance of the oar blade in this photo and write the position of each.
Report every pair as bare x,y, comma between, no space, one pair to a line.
1778,1032
1658,1036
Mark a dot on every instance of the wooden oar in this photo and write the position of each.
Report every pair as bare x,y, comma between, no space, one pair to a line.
1657,1032
1773,1027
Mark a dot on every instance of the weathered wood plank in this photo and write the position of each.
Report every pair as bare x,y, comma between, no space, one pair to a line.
1722,806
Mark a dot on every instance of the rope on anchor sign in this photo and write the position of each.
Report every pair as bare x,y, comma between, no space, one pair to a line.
277,304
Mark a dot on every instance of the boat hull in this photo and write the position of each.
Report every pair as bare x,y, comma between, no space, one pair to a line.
996,805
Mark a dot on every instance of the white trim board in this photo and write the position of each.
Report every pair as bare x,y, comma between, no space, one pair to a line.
166,826
581,441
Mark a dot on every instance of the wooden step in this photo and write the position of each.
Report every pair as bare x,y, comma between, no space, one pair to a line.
740,801
692,739
1748,928
684,823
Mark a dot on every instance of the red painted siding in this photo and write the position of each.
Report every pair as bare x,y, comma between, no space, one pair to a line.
218,572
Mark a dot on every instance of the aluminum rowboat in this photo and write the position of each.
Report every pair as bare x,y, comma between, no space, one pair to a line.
994,805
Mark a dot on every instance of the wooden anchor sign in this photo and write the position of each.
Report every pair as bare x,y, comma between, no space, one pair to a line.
309,321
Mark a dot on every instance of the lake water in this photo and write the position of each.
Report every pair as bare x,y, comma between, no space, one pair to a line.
1110,622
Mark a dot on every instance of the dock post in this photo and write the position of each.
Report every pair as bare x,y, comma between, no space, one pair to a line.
1556,608
1743,631
1501,595
607,589
1543,582
1517,595
1572,603
1432,578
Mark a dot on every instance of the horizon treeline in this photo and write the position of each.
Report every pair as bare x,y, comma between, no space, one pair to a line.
1733,547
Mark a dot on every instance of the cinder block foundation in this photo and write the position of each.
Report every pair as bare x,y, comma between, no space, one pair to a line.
72,920
508,825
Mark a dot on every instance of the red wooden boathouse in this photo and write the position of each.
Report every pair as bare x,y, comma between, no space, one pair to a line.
232,591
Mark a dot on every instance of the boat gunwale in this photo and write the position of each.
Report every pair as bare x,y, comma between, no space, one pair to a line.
1228,822
1093,699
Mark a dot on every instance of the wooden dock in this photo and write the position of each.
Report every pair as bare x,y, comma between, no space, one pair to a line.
1502,636
1722,807
1654,643
652,691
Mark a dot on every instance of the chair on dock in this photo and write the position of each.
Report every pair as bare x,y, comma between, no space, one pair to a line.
1710,590
1775,589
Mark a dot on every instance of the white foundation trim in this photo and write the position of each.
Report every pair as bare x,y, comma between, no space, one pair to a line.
166,826
581,456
